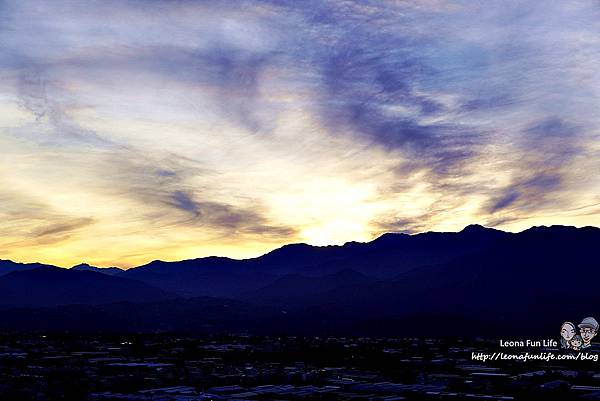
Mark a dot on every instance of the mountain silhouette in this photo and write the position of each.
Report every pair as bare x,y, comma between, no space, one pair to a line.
383,258
293,290
8,266
212,276
472,282
49,286
113,271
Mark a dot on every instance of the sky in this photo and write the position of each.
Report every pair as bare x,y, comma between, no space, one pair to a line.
140,130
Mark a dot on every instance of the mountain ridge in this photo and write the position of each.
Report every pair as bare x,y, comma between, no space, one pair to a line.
484,278
53,286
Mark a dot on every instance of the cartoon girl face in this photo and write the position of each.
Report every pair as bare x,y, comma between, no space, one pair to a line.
567,331
576,342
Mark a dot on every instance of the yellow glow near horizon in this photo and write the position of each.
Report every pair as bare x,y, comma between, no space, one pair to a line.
99,209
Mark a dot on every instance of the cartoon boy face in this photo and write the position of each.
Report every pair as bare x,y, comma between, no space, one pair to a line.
588,329
587,333
567,331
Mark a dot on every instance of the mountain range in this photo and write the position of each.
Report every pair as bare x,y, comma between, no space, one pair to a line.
479,281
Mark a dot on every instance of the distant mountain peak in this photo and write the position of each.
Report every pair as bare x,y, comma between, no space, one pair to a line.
477,228
81,266
390,237
559,230
105,270
554,227
288,251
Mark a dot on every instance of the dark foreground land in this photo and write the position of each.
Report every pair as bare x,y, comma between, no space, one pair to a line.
168,367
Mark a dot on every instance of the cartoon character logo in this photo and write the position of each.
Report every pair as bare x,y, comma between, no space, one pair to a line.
588,329
569,339
567,332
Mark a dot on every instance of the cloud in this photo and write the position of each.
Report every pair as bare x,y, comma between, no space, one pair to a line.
183,201
529,193
163,187
62,229
232,220
370,85
49,110
32,91
30,222
550,146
